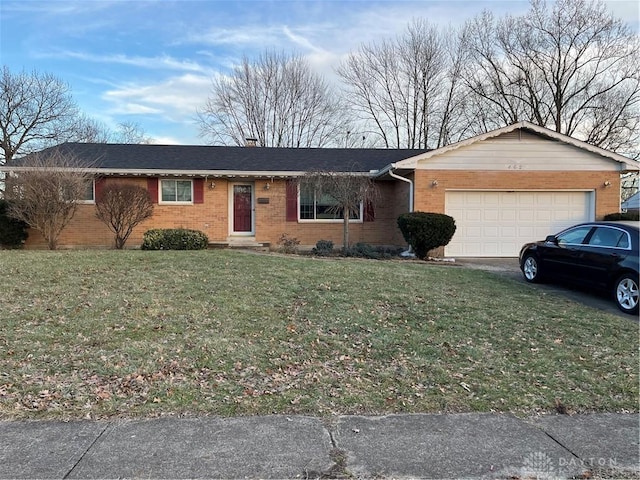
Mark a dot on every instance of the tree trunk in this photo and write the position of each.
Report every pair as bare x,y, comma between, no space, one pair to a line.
345,232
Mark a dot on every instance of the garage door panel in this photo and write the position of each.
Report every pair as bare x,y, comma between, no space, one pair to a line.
509,215
497,224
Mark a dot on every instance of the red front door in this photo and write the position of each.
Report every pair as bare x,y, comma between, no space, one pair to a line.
242,208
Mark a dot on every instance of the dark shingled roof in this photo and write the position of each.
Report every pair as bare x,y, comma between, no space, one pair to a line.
243,159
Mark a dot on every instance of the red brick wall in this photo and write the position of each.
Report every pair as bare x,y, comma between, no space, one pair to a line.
212,216
430,198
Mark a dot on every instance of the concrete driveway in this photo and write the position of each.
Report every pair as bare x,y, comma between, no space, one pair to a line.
510,268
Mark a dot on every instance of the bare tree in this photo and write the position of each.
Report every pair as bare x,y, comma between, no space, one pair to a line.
89,130
131,133
36,110
44,189
406,88
570,66
121,207
349,191
277,100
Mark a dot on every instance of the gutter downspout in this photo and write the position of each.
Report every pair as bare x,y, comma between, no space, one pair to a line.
404,179
408,252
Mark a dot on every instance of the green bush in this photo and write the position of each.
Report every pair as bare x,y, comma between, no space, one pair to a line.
13,233
363,250
174,239
323,248
425,231
630,216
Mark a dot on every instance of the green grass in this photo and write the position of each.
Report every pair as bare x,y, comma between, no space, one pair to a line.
132,333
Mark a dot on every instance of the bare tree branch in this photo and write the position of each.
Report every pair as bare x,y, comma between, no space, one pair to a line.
570,66
44,191
121,207
350,191
277,100
36,111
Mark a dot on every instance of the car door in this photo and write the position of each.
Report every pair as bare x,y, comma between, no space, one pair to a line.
560,254
606,247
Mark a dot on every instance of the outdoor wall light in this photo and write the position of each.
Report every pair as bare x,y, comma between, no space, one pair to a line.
607,183
434,183
267,186
212,185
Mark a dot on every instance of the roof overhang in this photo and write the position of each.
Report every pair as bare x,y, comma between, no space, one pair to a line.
152,172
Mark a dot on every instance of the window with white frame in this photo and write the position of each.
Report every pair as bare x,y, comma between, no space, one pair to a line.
176,191
322,207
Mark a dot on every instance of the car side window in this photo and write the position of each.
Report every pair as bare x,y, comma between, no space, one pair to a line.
609,237
574,236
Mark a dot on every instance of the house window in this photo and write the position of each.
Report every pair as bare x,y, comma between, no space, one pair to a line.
89,193
322,207
86,196
176,191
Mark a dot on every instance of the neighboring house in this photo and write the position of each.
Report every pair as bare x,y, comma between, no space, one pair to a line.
503,188
631,204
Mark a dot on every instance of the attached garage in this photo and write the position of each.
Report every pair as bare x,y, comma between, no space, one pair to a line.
513,185
498,223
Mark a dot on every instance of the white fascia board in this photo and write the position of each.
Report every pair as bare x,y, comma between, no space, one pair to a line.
151,172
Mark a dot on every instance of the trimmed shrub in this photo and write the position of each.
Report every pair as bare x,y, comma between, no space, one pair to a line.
288,244
363,250
323,248
630,216
425,231
13,233
174,239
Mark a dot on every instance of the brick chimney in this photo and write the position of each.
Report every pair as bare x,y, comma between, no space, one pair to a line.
251,142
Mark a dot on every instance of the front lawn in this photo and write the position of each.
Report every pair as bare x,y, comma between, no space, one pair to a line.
133,333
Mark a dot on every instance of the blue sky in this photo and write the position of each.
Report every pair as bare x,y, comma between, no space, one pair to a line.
151,62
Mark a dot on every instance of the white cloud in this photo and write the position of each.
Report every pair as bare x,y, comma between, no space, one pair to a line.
157,63
241,36
166,140
173,98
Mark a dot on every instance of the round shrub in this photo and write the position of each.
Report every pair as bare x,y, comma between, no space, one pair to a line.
323,247
425,231
174,239
13,233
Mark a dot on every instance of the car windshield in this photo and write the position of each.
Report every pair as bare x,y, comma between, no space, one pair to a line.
574,236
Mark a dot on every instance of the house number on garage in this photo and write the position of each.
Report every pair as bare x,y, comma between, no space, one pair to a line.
514,166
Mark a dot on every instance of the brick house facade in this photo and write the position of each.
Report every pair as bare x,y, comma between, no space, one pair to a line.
508,186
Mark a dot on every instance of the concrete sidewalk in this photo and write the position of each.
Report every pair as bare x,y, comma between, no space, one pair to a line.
498,446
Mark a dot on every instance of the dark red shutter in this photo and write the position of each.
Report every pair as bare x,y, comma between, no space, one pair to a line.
198,190
292,201
369,212
98,187
152,187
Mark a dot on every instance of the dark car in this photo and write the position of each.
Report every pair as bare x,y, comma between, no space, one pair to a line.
603,255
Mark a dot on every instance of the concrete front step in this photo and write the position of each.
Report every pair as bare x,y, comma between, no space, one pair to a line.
241,244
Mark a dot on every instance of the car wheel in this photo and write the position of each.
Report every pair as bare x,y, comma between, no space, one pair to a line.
531,269
626,293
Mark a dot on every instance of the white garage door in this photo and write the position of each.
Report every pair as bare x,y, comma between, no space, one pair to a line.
497,224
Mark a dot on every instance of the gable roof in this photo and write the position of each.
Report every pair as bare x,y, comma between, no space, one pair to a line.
626,164
143,159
